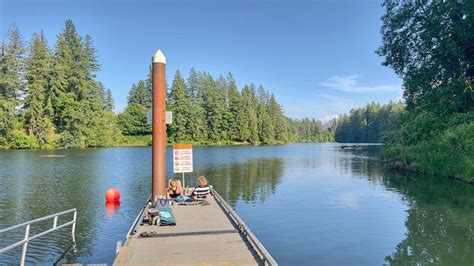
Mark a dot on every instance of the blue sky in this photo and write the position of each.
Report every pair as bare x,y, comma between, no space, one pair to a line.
317,57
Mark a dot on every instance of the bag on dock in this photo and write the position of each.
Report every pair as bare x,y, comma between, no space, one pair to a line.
166,216
162,202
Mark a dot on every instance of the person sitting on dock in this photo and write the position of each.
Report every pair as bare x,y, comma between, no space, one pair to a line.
202,190
174,189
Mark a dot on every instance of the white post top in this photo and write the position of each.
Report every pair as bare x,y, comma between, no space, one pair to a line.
159,57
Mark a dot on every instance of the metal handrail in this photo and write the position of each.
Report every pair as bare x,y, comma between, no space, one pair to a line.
244,229
135,222
28,238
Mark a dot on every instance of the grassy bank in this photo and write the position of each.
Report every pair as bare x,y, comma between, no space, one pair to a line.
140,141
131,141
434,145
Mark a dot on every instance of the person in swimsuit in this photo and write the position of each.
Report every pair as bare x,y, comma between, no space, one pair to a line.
174,189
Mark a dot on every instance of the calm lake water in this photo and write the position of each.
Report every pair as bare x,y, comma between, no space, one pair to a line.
307,203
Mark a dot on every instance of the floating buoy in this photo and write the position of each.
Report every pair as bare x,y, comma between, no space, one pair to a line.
112,195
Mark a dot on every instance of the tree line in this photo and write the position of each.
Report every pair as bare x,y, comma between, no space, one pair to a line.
367,124
208,110
49,97
429,44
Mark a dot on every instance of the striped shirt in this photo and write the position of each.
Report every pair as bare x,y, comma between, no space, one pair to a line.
201,192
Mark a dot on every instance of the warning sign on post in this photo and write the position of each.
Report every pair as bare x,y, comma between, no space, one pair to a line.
182,158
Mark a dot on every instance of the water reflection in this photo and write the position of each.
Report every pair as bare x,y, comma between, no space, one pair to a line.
362,162
439,222
440,212
251,181
348,210
112,207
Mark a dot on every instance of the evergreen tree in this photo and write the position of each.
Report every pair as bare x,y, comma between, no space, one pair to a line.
278,119
180,105
7,122
193,85
140,94
12,66
82,107
198,123
90,60
197,117
265,126
211,101
57,95
233,106
247,117
77,75
37,122
222,107
109,101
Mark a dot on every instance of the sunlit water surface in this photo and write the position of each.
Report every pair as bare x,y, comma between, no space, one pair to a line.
307,203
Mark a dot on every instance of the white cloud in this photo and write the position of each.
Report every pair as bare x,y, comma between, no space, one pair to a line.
327,118
350,84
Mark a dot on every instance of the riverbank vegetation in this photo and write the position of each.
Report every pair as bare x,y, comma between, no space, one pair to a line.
430,46
367,124
50,98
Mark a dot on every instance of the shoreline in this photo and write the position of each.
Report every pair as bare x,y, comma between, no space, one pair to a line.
234,144
399,167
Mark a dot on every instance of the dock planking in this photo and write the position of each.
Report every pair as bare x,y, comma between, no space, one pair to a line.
203,235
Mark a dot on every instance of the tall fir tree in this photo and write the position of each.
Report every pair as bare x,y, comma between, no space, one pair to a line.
37,122
247,117
109,101
193,85
233,106
57,94
213,106
180,105
13,66
139,94
266,129
197,119
278,119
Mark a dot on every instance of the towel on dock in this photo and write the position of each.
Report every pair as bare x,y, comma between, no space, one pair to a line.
166,216
182,198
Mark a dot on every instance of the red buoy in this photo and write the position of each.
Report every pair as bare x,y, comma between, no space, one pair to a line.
112,195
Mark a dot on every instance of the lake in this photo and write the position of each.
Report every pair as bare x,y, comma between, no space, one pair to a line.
308,204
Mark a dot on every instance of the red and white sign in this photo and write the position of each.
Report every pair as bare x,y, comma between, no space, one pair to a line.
182,158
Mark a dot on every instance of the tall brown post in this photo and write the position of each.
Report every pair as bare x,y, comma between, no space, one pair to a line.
158,182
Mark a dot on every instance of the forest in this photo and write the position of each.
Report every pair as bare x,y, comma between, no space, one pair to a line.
429,44
367,124
208,110
50,98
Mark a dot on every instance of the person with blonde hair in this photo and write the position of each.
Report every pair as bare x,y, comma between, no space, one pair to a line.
174,189
202,190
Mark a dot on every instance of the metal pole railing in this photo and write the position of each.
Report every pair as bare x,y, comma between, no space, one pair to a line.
28,238
73,229
25,245
244,229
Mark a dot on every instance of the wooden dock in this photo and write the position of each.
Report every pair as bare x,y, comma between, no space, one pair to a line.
204,235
